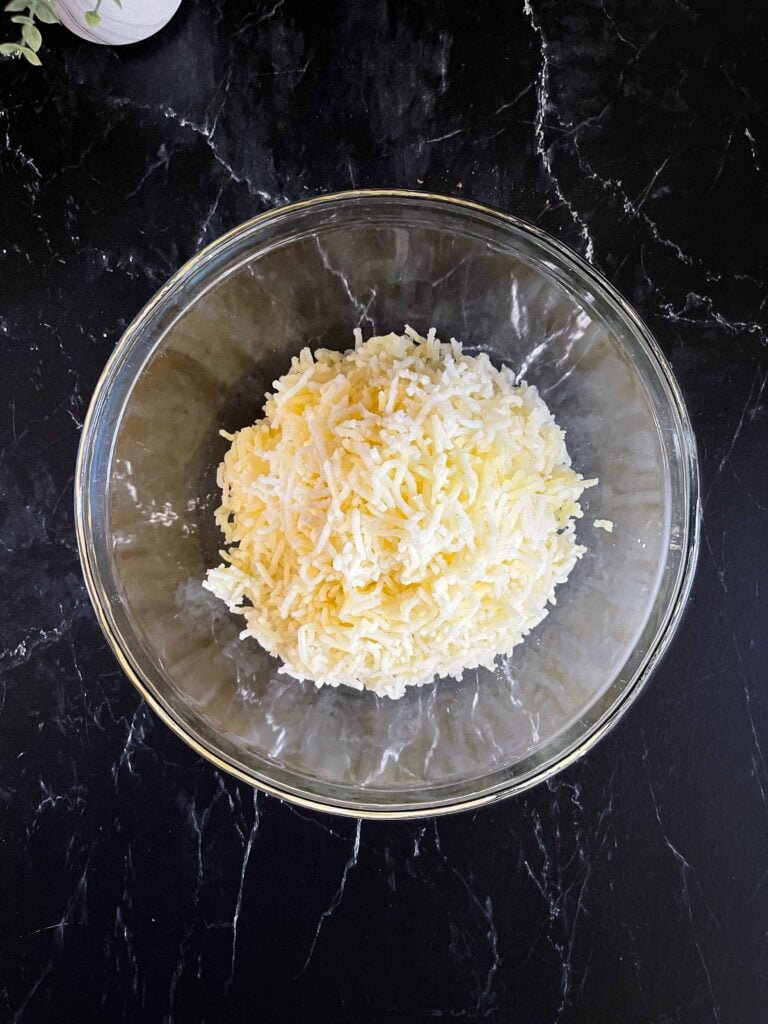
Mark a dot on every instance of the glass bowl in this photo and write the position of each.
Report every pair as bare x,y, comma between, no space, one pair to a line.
200,357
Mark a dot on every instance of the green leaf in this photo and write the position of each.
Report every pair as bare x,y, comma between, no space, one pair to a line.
46,14
92,18
10,48
17,5
31,56
119,4
32,37
22,19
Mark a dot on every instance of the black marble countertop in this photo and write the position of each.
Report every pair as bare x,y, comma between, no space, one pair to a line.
139,884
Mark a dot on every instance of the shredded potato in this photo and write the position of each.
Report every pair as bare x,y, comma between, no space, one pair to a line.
402,511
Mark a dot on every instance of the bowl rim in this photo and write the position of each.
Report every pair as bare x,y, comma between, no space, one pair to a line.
664,633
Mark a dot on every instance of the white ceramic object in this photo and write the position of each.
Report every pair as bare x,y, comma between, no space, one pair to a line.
134,21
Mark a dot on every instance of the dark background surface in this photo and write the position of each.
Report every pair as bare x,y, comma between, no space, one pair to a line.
137,883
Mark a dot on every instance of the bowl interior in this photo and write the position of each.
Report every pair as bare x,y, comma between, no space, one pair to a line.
201,358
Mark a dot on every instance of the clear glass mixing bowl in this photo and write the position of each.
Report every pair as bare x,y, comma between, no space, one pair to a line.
199,358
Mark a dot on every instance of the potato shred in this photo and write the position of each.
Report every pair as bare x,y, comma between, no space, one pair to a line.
402,511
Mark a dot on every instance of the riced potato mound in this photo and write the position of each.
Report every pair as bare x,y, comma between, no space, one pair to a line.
402,511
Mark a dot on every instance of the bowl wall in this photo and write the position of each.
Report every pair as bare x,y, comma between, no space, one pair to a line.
201,357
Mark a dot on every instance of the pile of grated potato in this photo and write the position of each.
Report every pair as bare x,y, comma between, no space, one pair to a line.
402,511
